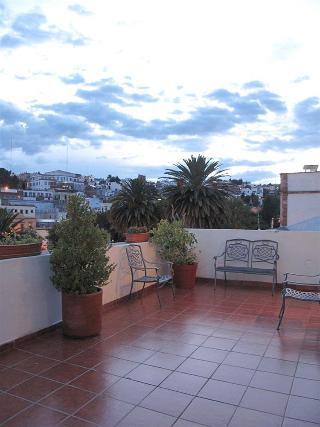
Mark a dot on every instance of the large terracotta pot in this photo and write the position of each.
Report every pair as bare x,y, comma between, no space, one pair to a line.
16,251
137,237
81,314
185,275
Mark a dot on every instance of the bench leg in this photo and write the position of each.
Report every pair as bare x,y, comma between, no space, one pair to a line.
281,312
157,291
274,281
215,280
173,288
131,289
144,284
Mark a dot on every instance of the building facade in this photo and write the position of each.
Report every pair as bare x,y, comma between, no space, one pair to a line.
299,197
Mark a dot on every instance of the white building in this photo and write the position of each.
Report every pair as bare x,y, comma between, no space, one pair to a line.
55,179
38,194
299,197
252,190
40,182
25,213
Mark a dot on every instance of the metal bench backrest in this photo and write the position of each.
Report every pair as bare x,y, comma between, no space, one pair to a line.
264,251
237,251
135,257
249,253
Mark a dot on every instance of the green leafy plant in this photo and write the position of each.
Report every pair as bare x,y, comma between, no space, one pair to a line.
135,205
20,238
7,222
79,259
134,230
174,242
197,193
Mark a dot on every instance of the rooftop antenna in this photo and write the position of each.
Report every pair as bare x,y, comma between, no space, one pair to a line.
67,156
11,157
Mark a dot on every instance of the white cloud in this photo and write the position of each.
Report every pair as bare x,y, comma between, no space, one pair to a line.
175,48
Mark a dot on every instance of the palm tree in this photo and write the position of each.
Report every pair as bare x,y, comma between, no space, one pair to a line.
197,194
7,221
135,205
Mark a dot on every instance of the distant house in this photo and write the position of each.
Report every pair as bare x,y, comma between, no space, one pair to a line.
55,179
26,214
299,197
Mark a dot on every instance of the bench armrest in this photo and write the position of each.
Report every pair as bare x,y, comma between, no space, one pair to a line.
301,279
218,256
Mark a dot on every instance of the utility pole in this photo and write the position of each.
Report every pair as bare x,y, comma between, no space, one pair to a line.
67,156
11,157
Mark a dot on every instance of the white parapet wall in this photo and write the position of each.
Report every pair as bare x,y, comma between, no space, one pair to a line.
299,251
29,302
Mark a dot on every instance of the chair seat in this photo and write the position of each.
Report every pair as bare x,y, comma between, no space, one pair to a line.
301,295
152,279
248,270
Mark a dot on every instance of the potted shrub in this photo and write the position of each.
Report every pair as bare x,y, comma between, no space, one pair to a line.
15,244
80,267
137,235
177,245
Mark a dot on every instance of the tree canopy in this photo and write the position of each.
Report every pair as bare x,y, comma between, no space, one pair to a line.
197,194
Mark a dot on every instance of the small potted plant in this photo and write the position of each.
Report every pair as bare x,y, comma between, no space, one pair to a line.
177,245
16,243
137,235
80,267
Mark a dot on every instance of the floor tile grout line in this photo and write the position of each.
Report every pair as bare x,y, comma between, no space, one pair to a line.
253,329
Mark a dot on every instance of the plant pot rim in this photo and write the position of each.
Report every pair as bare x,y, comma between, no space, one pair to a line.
193,263
91,294
138,232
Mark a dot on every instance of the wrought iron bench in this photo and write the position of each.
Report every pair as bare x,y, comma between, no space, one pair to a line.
310,290
139,267
249,257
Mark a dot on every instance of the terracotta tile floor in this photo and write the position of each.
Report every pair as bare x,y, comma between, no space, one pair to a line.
204,359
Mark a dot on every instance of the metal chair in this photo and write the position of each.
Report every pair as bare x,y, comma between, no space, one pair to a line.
299,280
139,267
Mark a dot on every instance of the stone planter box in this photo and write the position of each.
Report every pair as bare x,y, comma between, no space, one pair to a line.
137,237
17,251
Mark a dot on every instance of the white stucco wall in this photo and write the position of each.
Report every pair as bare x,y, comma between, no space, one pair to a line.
303,205
299,251
304,181
29,302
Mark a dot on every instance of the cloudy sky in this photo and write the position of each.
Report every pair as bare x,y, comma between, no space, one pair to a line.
128,87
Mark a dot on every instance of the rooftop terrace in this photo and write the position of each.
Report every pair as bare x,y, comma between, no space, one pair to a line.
211,359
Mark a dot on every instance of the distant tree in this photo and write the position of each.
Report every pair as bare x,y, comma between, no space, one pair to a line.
236,181
111,178
103,220
270,209
239,215
252,200
8,179
136,204
197,195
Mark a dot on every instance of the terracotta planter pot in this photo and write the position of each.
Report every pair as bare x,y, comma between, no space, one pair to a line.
81,314
16,251
185,275
137,237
